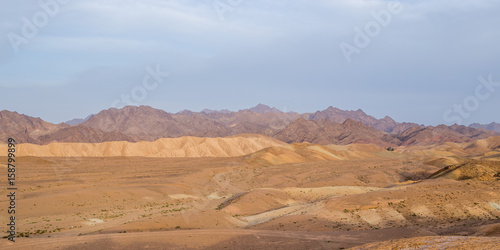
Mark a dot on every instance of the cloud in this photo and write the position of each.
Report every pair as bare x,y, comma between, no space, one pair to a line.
432,51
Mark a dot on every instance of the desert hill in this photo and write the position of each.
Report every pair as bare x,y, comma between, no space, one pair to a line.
77,121
492,126
477,170
330,126
294,153
327,132
141,123
167,147
350,131
83,134
235,191
447,152
146,123
261,119
434,135
262,109
25,128
385,124
256,149
491,143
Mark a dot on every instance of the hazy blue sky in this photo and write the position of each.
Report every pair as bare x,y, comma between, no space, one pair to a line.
69,59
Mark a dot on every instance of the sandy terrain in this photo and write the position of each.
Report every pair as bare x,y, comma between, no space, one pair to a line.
168,147
435,243
268,195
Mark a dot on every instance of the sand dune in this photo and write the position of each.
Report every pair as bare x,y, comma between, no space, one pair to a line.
307,152
478,147
294,153
169,147
128,199
442,162
261,149
480,170
257,149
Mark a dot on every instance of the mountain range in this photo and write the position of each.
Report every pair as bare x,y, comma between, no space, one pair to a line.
329,126
492,126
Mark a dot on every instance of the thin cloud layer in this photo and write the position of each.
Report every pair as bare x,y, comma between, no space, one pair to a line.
282,53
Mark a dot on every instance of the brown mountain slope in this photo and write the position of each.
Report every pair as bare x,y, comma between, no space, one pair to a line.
478,170
385,124
168,147
145,123
338,115
84,135
327,132
196,124
261,119
473,133
262,109
25,128
435,135
492,126
449,153
142,123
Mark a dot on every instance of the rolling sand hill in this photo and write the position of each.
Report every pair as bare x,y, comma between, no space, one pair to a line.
294,153
307,152
258,148
252,191
479,170
449,153
169,147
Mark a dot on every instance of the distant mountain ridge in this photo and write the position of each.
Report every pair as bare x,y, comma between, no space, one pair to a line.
77,121
24,128
327,132
144,123
385,124
262,109
492,126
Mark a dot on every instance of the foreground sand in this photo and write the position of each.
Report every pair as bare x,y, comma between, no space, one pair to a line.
215,239
281,197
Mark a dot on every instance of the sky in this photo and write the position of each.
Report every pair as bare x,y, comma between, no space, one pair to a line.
429,62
